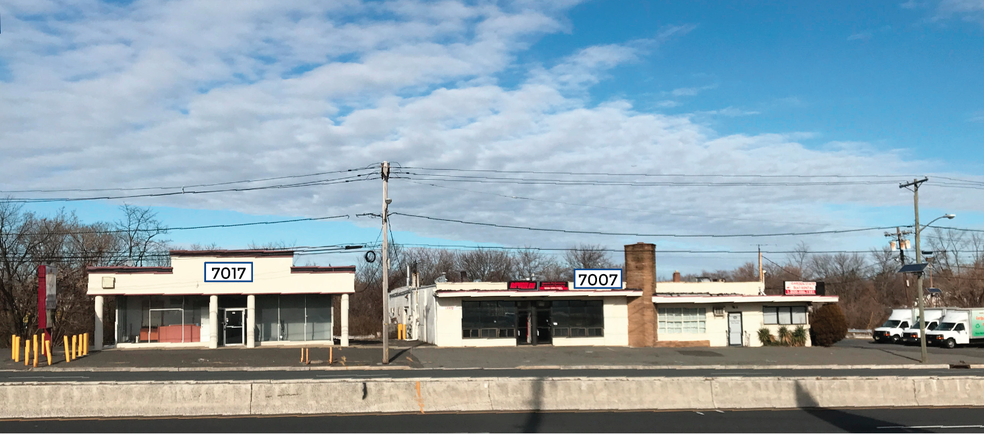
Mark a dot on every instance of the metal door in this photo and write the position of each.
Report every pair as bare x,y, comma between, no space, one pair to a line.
734,329
234,332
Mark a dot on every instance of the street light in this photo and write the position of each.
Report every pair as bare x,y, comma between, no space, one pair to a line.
919,283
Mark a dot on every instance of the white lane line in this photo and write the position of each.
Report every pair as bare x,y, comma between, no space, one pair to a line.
932,427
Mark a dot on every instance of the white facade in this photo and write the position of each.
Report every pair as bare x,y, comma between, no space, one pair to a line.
223,297
435,313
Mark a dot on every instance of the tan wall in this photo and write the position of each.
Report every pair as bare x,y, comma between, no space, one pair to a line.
716,327
271,275
742,288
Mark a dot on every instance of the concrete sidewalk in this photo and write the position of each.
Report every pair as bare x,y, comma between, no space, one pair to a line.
409,355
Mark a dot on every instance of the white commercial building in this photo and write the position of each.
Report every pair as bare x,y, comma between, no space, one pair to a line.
214,298
706,313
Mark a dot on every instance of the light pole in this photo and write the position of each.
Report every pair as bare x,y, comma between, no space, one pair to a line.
919,283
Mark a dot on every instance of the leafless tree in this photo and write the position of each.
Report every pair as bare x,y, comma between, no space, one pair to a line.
142,235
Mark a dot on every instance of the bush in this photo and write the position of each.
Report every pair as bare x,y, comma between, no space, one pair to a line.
765,337
828,325
784,336
798,338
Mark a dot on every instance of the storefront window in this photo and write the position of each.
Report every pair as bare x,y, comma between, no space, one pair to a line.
160,319
682,320
293,317
488,319
784,315
577,318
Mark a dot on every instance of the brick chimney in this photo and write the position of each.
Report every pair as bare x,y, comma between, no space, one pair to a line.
640,274
676,276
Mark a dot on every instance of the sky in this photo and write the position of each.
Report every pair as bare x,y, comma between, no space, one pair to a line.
649,118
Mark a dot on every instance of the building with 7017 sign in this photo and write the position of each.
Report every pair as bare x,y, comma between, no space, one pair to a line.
213,298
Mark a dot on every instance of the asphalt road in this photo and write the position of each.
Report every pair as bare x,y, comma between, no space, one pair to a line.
800,420
49,376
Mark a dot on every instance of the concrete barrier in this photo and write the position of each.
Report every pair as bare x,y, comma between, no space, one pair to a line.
341,396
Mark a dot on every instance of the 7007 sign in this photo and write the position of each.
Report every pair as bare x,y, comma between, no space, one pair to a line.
228,271
598,278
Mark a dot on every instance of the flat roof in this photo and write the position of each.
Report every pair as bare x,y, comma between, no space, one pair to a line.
710,299
530,294
249,253
131,270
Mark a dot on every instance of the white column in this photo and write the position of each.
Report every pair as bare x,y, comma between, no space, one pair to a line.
97,332
250,321
344,312
213,321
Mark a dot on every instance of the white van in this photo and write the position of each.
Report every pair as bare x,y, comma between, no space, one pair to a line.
891,331
958,327
933,316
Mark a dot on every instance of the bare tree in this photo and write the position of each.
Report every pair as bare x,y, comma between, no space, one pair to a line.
142,232
587,256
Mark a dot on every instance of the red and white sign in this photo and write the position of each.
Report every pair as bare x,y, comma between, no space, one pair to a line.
801,288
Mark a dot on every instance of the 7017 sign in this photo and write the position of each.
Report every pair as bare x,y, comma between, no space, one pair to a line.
604,278
228,271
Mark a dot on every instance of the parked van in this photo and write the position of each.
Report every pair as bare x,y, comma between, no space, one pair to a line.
933,316
891,331
958,327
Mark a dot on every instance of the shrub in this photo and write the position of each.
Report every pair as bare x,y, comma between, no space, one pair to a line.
784,336
798,337
828,325
765,337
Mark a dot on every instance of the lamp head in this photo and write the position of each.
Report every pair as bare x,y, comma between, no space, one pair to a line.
950,216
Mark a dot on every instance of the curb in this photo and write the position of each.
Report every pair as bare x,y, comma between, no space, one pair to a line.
524,368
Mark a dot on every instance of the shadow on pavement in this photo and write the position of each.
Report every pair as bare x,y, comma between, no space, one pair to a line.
535,419
842,419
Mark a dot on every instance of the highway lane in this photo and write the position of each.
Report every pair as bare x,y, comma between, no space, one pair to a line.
950,420
55,376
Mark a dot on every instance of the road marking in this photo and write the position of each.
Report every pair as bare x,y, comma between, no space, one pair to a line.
699,413
932,427
343,375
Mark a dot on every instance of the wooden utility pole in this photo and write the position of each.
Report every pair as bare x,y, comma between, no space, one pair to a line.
899,233
919,279
386,201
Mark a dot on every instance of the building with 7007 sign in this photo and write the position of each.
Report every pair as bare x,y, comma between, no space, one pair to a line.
215,298
638,312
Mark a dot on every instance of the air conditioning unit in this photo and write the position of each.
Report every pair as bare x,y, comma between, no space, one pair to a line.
719,311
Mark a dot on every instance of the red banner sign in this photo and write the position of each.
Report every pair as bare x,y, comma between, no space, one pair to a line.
801,288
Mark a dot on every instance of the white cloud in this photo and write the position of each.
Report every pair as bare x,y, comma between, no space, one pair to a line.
159,93
977,117
862,36
968,10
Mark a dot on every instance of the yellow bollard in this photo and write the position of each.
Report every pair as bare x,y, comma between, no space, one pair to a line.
85,344
13,348
75,353
27,351
307,355
35,351
47,350
68,354
302,355
331,354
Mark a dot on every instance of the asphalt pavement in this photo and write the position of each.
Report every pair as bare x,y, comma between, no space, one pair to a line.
948,420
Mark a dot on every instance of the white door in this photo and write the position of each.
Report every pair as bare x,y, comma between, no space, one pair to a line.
734,329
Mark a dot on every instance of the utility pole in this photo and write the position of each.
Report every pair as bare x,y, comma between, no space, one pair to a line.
761,276
919,279
386,201
899,233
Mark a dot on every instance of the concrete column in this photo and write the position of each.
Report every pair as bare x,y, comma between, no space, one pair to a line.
213,321
97,332
640,274
344,312
250,321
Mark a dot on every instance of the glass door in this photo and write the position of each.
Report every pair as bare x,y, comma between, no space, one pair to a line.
234,332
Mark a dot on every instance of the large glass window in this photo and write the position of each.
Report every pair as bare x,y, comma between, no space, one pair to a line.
156,318
577,318
682,320
488,319
784,315
293,317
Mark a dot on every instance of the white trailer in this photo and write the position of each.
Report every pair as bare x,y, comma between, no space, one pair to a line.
933,316
891,331
959,327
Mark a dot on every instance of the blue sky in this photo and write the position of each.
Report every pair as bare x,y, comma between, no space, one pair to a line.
150,93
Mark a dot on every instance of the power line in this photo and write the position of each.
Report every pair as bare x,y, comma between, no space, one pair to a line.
176,187
631,234
637,174
582,182
184,228
342,180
